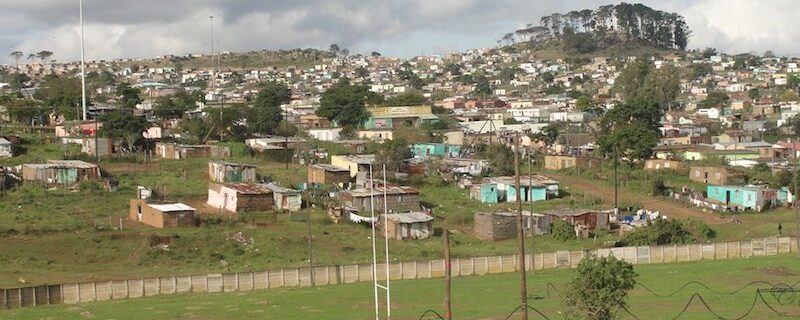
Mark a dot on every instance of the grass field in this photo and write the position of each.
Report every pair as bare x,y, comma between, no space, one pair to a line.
90,247
477,297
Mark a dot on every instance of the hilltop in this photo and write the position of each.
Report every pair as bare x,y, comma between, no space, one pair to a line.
606,29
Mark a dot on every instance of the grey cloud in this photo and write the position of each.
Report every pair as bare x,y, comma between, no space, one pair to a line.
126,28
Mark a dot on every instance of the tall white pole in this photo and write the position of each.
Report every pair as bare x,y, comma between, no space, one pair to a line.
83,65
212,44
386,243
374,251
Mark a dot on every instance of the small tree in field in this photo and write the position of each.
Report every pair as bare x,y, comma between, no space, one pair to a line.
599,289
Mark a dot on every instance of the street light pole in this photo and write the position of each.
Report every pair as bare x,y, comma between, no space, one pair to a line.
83,65
211,18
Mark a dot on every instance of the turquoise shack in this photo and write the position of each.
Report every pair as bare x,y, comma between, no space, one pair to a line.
424,150
747,197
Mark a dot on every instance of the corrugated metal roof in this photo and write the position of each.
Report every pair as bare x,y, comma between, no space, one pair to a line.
409,217
170,207
329,167
248,188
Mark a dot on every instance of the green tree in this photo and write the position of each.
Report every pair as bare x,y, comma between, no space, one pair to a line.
346,104
663,232
794,124
630,130
715,99
410,98
124,127
129,96
547,77
266,114
61,96
23,111
482,87
390,153
640,80
501,158
754,94
599,289
562,230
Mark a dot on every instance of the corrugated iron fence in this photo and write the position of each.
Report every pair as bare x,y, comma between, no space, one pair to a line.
330,275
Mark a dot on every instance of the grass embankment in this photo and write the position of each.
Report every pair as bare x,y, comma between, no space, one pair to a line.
476,297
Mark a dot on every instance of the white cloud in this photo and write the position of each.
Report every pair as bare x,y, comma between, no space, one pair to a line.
146,28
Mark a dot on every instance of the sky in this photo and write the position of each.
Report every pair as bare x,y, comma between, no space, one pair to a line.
147,28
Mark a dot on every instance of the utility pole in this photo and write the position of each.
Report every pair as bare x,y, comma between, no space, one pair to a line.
794,203
530,199
448,311
310,251
523,286
211,18
83,64
286,137
616,180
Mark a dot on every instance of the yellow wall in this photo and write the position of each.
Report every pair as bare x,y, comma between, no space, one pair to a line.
404,110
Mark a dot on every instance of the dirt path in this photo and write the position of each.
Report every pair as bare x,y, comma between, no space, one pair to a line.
606,192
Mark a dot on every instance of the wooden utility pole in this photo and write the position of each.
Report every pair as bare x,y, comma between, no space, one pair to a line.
534,224
794,203
616,180
448,311
523,286
310,250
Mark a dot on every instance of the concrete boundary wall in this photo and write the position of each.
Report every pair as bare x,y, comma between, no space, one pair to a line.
73,293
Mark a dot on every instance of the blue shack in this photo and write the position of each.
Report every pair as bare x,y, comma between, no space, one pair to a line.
485,193
530,189
746,197
424,150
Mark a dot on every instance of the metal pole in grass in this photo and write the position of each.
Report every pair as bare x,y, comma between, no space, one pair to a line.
374,252
523,287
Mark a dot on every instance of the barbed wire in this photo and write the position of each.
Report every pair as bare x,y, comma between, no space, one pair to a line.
784,294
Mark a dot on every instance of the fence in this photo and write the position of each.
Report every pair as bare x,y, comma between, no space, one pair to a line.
331,275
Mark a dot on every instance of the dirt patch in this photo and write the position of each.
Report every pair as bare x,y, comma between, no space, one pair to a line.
775,271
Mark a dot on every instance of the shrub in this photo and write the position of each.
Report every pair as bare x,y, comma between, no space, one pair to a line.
599,289
562,230
663,232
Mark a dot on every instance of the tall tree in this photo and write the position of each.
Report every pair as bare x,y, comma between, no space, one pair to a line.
266,115
16,56
129,96
61,96
123,127
630,130
346,103
44,56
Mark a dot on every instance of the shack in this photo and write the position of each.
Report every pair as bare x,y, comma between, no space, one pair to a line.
354,163
162,215
495,226
662,164
556,162
240,197
285,199
749,197
398,199
328,174
229,172
406,226
484,192
181,151
590,219
6,148
60,172
715,175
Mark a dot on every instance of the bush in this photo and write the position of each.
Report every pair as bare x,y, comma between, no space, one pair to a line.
662,232
562,230
599,289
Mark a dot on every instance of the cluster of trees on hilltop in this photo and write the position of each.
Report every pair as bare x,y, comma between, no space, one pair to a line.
608,25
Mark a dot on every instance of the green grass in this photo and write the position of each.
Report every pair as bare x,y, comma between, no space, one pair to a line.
84,225
475,297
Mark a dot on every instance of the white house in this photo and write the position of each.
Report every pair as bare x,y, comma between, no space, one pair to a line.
6,148
711,113
325,134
